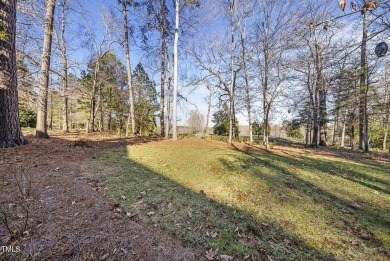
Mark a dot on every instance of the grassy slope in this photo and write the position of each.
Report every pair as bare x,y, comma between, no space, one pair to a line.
280,205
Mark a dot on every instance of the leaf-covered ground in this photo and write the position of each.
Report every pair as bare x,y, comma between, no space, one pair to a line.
248,203
69,216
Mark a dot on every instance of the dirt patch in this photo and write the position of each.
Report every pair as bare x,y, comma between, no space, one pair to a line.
70,218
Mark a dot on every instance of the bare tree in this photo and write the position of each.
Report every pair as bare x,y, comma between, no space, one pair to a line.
175,69
273,30
101,49
176,60
131,117
196,121
41,131
62,47
246,80
168,99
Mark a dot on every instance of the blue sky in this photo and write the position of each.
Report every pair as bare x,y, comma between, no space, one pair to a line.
91,8
92,14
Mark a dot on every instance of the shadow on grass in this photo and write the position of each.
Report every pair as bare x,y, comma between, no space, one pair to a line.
195,218
369,216
344,171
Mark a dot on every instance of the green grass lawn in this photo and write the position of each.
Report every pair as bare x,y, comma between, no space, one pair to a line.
266,205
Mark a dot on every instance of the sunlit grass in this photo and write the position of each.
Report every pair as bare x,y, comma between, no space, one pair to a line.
294,207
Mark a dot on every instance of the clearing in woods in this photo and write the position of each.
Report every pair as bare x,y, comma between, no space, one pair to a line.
288,203
110,198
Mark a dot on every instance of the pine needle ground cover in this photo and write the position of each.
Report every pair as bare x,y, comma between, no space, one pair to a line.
251,203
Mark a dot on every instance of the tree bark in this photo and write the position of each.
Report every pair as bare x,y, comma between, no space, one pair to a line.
51,110
386,130
92,109
366,122
41,131
353,136
175,70
363,69
265,92
307,137
315,121
131,117
168,112
247,89
342,144
206,127
231,91
65,120
10,132
163,49
110,111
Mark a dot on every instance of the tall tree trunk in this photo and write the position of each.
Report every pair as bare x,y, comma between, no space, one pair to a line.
266,105
343,130
266,123
92,109
110,112
385,133
363,70
41,131
206,127
231,91
315,121
366,121
175,70
235,127
51,110
101,125
247,89
387,119
353,136
307,138
131,117
65,120
10,132
335,126
163,49
320,88
168,112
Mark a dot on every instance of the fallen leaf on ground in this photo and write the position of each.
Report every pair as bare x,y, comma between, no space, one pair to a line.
356,205
211,254
170,205
209,224
212,234
104,257
345,211
131,215
365,236
252,243
226,257
151,213
354,243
